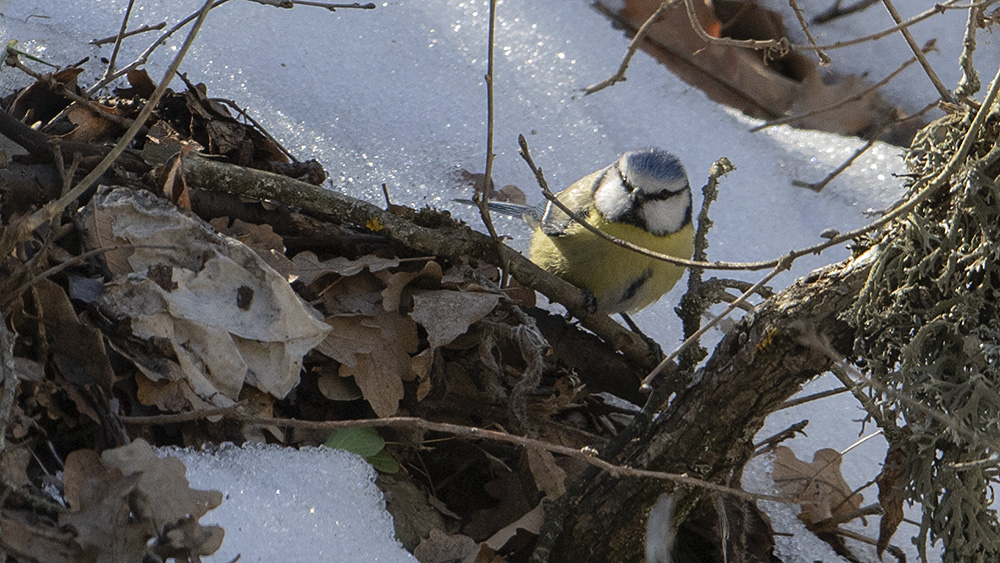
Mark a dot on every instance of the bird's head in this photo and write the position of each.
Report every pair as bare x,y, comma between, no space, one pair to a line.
647,188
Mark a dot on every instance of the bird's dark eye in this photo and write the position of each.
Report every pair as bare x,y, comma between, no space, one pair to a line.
628,185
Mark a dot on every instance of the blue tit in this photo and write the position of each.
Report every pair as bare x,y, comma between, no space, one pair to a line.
643,198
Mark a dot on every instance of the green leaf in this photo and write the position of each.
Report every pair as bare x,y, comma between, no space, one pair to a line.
383,462
363,440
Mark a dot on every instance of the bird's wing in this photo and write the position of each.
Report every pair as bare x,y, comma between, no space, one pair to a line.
579,198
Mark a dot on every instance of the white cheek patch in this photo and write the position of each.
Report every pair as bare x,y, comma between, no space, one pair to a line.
611,199
664,216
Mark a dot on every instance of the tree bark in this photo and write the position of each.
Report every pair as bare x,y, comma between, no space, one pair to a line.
707,430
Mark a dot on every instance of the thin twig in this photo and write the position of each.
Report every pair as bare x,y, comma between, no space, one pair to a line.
144,56
778,47
818,186
856,389
586,454
68,93
969,83
836,11
482,198
646,385
937,9
118,40
855,98
824,60
78,259
633,46
331,7
810,398
917,52
809,338
143,29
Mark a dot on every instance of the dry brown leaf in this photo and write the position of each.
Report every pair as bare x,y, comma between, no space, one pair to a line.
99,513
168,396
29,541
39,102
77,348
14,460
354,295
350,338
338,388
421,365
512,505
440,547
141,86
549,477
531,522
392,295
890,496
123,498
380,373
262,239
165,494
91,126
818,487
446,315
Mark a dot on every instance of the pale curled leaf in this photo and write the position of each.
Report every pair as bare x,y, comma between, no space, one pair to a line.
308,267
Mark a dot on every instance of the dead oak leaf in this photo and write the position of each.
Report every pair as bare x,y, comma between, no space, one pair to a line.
380,373
350,338
818,487
121,499
353,295
446,315
440,547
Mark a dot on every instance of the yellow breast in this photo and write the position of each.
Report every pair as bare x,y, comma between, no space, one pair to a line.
621,280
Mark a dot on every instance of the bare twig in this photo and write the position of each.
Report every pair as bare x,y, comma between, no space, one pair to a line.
328,6
969,83
818,186
812,397
587,454
777,47
855,98
118,40
67,93
482,197
824,60
937,9
144,56
143,29
836,11
917,52
646,385
633,46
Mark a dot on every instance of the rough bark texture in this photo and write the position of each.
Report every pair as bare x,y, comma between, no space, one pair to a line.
708,428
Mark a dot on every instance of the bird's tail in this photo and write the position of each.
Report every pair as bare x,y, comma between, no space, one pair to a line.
530,215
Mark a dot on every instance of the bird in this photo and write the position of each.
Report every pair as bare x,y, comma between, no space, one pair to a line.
644,198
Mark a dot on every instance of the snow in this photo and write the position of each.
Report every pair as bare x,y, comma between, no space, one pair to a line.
282,504
396,95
